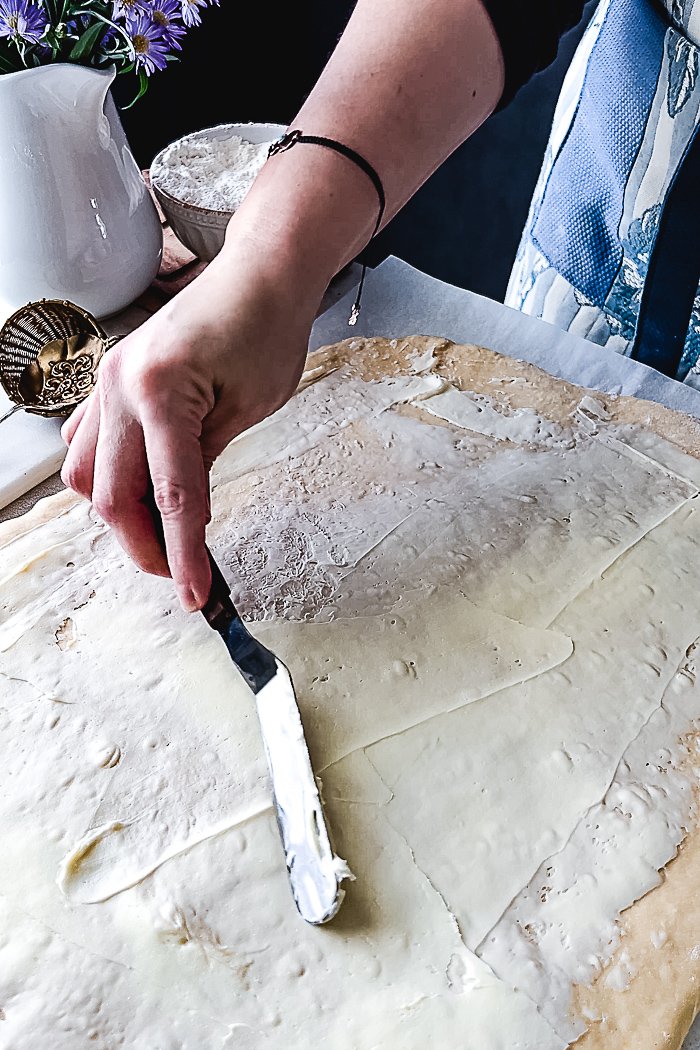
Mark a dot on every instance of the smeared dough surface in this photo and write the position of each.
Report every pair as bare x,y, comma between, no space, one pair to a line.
482,580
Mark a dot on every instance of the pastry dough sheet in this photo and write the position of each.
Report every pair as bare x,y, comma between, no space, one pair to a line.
455,564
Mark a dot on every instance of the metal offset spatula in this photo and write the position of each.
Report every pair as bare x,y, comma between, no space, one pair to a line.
314,870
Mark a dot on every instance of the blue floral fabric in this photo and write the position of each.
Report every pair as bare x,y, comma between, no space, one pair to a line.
626,119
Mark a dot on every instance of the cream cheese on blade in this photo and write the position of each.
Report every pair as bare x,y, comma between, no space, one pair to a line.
316,872
451,794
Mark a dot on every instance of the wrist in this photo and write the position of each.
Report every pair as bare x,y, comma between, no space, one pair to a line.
310,211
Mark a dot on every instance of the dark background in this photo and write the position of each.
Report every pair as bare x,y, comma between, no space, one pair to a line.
463,225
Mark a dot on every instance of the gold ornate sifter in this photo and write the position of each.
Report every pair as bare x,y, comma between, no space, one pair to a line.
50,351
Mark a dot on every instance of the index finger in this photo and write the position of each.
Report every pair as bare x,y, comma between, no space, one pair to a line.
180,493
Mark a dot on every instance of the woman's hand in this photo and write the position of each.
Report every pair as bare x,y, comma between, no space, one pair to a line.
408,82
222,355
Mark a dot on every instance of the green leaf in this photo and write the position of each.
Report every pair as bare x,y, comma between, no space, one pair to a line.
143,88
85,44
6,66
57,11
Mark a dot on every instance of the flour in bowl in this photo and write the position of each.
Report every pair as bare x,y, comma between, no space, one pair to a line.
209,171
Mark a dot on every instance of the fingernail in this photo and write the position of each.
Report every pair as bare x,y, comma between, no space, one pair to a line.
188,601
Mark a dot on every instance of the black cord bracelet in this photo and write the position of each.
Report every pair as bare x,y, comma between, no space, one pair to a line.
286,141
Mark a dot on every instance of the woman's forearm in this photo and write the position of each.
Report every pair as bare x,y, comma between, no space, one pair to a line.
407,83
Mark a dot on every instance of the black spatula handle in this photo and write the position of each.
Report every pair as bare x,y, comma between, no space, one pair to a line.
219,610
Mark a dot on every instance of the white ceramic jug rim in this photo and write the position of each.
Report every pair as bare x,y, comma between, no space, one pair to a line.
110,72
77,221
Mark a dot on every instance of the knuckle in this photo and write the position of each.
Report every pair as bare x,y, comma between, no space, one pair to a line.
110,369
106,506
137,376
173,499
109,365
147,382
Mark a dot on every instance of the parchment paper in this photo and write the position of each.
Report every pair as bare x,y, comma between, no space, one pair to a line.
399,300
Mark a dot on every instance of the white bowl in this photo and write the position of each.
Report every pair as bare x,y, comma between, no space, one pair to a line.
202,229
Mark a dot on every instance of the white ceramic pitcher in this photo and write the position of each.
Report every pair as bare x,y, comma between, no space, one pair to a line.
76,218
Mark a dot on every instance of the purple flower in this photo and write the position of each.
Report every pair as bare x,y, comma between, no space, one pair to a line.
127,8
149,43
191,10
22,20
109,36
168,15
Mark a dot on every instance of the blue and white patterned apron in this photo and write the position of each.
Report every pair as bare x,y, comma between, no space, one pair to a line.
611,247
